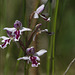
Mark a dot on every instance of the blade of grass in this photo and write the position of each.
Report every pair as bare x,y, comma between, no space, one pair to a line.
6,67
50,41
7,59
25,24
54,30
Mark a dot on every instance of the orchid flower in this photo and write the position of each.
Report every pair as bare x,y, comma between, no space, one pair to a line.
6,40
17,30
41,31
32,56
38,11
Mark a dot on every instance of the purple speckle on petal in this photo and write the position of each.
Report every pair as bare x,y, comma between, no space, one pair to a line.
33,60
5,43
17,34
17,24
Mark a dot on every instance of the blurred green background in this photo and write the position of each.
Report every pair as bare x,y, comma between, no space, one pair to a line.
11,10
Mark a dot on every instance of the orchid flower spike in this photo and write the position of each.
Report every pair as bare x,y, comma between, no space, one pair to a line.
33,57
17,30
38,11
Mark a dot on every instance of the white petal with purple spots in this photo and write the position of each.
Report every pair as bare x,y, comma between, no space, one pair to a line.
6,42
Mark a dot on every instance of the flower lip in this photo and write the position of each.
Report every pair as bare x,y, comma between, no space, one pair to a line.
17,24
34,62
17,35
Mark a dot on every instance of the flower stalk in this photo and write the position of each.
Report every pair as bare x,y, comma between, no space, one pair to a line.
53,37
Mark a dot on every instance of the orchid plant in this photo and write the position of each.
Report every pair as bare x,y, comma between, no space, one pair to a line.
32,56
17,30
13,33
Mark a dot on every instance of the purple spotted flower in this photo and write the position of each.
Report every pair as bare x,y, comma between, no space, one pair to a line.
6,40
17,30
33,57
38,11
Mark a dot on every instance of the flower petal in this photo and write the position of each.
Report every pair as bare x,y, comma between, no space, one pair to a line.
17,24
41,52
10,29
37,58
44,17
17,35
45,30
4,45
34,37
40,9
36,15
33,60
24,58
34,65
25,29
4,37
49,19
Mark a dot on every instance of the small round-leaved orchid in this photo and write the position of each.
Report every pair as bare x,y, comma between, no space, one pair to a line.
17,30
32,56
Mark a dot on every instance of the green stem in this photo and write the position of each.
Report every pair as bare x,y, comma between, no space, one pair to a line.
24,22
7,64
17,64
54,30
50,41
25,72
